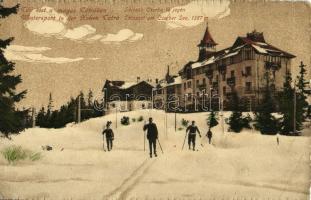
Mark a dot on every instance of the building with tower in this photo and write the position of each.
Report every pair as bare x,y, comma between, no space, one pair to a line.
245,68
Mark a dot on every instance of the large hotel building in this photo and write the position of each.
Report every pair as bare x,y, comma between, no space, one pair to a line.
244,68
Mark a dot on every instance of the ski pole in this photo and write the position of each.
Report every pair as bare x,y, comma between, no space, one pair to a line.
160,145
104,145
184,141
144,142
144,137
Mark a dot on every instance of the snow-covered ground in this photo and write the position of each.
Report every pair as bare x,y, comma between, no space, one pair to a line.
236,166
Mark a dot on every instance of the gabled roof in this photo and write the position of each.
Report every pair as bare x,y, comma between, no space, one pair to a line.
253,40
260,46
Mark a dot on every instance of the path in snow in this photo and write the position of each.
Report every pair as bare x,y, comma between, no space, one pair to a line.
129,183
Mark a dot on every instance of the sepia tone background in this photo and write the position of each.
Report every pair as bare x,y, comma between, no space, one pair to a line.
285,25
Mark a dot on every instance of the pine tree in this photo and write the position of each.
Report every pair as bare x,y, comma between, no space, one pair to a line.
212,120
236,120
83,105
40,119
50,105
11,119
49,121
287,108
265,122
301,102
71,111
90,99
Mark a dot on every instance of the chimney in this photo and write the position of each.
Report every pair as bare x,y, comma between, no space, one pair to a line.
138,79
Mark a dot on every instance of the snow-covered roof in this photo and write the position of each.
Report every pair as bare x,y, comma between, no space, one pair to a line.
261,43
259,49
230,54
123,85
203,63
261,46
176,81
127,85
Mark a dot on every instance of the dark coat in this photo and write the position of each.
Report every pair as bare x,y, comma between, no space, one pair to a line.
192,130
152,131
109,133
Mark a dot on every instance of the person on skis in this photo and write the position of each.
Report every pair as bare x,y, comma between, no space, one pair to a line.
209,135
109,136
152,136
193,129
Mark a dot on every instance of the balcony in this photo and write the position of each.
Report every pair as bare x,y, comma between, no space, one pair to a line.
202,86
215,85
248,91
274,66
231,81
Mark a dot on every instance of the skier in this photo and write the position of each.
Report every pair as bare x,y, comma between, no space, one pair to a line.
193,129
109,136
152,136
209,135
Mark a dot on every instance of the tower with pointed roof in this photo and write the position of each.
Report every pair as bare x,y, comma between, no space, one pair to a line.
207,45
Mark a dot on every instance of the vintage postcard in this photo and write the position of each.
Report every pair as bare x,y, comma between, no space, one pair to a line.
155,99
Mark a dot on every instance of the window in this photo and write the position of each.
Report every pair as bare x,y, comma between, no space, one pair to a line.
248,87
223,76
231,60
197,83
232,73
185,86
189,84
224,90
248,54
217,78
204,81
248,70
189,96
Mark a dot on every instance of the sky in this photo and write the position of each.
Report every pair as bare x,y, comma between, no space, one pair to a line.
62,48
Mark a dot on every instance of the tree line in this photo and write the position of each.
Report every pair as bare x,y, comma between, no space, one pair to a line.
49,118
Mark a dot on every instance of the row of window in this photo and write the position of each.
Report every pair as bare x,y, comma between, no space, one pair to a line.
247,72
187,84
248,88
247,54
248,85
